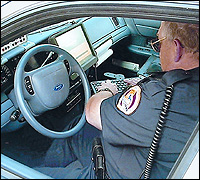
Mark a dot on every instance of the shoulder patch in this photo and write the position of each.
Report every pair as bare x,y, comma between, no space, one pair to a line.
129,100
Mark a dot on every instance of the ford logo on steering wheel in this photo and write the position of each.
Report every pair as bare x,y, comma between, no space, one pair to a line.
58,87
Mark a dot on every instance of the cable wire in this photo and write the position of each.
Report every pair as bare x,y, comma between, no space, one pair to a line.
158,133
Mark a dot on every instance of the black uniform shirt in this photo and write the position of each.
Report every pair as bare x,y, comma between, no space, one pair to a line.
127,138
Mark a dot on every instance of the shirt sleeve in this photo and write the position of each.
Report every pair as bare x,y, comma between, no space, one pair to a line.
137,128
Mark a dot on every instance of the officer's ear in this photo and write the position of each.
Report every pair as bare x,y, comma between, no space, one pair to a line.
178,50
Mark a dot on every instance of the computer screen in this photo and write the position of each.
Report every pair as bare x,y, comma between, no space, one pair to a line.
75,43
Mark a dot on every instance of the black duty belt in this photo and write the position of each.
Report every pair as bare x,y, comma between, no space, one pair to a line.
98,159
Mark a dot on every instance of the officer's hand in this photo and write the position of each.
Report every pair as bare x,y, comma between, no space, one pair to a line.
130,82
109,85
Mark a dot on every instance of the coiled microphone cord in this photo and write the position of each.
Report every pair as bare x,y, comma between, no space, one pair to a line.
158,133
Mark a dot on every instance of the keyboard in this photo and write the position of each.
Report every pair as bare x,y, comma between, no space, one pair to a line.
121,85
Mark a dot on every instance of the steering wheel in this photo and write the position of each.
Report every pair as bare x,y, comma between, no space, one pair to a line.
47,87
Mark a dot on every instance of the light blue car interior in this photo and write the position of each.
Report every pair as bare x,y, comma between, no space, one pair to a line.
113,44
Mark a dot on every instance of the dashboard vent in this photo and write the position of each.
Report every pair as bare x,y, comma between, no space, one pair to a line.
13,44
115,20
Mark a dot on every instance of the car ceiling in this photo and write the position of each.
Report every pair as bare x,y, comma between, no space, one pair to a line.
46,13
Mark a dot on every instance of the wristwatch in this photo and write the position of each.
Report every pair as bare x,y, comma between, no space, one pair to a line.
106,89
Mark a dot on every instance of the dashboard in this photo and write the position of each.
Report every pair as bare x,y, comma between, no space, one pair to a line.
79,38
8,69
6,77
89,40
90,45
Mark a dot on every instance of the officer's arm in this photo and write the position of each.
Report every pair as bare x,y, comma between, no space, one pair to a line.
93,108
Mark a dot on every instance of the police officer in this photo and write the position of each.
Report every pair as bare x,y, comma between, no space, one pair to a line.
127,121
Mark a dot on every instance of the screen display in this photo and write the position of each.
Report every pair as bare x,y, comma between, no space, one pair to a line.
75,43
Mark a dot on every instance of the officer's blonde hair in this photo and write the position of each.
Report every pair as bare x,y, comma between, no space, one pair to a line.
187,34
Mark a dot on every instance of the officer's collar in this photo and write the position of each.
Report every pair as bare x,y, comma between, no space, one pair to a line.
176,75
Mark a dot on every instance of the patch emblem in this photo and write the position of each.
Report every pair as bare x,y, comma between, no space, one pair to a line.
129,101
